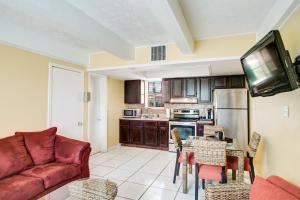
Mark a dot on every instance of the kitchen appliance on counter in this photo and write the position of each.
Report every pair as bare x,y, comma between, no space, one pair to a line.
185,120
231,112
131,113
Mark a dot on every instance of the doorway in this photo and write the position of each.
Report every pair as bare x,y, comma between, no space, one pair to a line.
65,100
97,129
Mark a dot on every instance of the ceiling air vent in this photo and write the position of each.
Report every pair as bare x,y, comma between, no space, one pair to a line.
158,53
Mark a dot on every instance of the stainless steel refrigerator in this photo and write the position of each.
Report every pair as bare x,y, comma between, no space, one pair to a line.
231,112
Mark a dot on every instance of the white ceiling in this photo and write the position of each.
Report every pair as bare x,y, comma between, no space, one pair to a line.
73,29
215,18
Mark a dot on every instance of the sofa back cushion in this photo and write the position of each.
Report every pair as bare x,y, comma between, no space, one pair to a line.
264,190
13,156
40,145
283,184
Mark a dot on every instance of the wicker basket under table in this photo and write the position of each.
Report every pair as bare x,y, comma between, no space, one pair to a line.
92,189
234,191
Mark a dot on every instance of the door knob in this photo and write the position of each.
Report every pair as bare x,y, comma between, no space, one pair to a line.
80,124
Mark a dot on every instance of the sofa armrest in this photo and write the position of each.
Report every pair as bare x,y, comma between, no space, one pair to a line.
69,150
227,192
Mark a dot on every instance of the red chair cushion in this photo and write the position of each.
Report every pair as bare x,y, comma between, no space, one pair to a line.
68,150
20,187
190,158
40,145
283,184
264,190
13,156
53,173
210,172
232,163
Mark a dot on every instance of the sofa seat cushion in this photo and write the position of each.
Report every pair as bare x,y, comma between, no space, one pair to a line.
264,190
53,173
40,145
285,185
13,156
20,187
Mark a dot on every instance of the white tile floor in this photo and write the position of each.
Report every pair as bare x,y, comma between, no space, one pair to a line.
144,174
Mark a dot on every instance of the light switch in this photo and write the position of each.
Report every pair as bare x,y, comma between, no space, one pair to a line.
286,111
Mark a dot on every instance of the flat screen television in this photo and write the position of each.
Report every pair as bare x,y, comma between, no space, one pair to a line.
268,67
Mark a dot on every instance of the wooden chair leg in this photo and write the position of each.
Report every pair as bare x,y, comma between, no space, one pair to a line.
190,168
196,180
176,167
251,177
223,175
252,174
233,174
203,184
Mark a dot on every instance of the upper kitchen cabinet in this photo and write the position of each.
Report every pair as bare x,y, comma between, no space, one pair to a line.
166,90
228,82
190,87
220,82
134,92
205,90
236,81
177,88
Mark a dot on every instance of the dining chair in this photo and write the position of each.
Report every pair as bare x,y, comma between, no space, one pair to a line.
178,145
210,162
214,131
232,162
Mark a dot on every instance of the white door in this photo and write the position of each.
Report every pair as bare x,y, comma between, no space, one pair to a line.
98,113
66,87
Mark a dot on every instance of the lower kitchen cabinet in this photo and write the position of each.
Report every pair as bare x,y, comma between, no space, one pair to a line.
152,134
163,133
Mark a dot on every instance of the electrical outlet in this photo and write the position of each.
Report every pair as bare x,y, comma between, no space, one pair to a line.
286,111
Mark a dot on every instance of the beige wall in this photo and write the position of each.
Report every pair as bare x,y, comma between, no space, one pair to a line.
279,153
115,105
23,90
210,48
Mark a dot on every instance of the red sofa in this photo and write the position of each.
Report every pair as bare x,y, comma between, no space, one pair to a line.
274,188
32,164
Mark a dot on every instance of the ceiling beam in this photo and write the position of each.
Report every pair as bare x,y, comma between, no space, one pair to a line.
171,17
280,11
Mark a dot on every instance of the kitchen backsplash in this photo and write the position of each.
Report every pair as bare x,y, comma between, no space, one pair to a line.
161,111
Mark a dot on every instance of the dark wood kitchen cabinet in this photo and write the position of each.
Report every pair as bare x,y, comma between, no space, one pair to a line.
124,135
134,91
145,133
137,132
163,132
177,88
166,90
205,90
220,82
190,87
236,81
150,135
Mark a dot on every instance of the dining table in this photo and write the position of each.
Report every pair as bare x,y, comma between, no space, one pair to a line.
232,149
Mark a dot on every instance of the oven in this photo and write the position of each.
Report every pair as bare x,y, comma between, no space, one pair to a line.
185,129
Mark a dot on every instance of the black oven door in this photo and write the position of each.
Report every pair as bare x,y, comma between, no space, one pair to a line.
185,129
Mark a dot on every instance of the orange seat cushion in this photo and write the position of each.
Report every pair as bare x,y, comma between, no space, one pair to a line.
232,163
210,172
190,158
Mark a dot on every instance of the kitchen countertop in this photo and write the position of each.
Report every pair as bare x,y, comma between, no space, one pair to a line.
145,119
205,122
164,119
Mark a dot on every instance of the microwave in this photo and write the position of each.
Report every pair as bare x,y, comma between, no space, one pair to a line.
131,112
